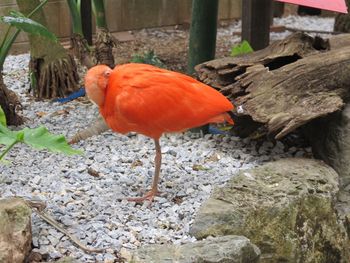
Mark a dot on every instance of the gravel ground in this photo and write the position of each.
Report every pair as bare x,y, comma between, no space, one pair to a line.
87,205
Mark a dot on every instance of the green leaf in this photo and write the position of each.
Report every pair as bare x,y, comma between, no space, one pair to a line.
7,137
4,162
41,138
20,136
28,25
15,13
241,49
148,57
2,117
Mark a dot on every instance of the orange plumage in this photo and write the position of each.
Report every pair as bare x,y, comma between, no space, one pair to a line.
152,101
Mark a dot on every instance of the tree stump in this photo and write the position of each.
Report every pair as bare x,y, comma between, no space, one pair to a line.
284,86
10,104
53,70
104,44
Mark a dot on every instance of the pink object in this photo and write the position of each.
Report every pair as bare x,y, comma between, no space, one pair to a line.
332,5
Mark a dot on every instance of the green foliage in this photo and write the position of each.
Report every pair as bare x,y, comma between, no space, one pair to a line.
38,138
74,9
6,136
98,10
16,19
241,49
2,117
28,25
148,57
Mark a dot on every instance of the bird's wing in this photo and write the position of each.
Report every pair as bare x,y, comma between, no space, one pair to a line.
157,101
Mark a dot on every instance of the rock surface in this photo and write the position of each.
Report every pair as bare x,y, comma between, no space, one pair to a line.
285,207
230,249
330,140
15,230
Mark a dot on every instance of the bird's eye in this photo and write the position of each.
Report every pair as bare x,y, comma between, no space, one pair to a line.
107,73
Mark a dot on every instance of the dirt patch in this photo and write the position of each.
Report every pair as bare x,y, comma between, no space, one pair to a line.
170,44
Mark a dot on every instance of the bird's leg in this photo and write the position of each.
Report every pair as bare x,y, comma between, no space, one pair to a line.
157,164
154,191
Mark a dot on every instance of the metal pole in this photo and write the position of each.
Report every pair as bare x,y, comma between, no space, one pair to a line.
86,21
256,18
202,38
202,32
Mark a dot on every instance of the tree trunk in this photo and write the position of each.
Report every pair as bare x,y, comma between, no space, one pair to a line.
284,86
105,42
104,45
10,103
342,21
80,46
53,70
81,50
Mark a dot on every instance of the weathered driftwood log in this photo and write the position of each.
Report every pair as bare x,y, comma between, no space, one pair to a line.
284,86
220,73
339,41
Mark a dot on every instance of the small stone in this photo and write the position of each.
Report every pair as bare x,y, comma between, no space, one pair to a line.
299,154
109,258
99,257
55,255
80,234
292,149
172,152
246,140
35,241
264,158
36,180
43,241
165,149
53,240
136,228
206,188
5,180
189,191
279,148
55,233
67,221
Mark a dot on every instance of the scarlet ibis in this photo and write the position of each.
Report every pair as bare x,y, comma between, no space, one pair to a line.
148,100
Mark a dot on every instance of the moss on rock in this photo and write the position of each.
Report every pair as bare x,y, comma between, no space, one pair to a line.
285,207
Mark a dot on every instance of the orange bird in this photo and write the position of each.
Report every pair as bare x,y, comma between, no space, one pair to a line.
152,101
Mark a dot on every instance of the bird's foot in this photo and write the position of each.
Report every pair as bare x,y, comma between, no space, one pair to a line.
149,196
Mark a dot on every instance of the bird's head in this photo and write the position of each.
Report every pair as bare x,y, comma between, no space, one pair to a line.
96,81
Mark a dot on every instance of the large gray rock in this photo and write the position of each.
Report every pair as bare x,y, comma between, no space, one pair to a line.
228,249
15,230
330,140
285,207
